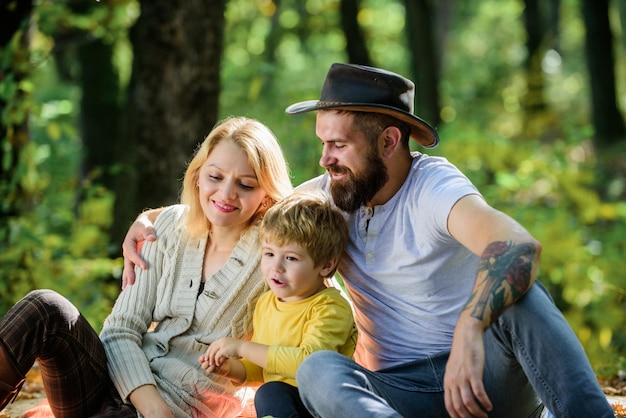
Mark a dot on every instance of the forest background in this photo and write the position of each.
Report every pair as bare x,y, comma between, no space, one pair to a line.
103,102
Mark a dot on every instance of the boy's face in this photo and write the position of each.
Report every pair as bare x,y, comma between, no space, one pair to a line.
290,271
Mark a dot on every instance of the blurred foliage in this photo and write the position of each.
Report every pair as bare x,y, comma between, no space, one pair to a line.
552,181
58,240
549,188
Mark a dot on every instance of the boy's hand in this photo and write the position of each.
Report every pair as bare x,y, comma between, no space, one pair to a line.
218,352
223,369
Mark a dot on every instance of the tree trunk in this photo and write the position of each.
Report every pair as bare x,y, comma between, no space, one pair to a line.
173,101
15,106
100,112
534,102
424,58
355,40
607,120
553,25
269,67
14,67
621,11
100,103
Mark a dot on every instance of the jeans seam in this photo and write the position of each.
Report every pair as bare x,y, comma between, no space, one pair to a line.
517,342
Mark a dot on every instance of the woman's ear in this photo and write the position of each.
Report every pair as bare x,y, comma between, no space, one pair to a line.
267,202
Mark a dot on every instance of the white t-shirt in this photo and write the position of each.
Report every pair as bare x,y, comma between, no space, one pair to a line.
408,278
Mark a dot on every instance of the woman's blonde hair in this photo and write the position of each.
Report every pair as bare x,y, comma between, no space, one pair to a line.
265,156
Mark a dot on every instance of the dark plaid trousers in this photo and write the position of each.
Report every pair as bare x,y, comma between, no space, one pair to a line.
46,327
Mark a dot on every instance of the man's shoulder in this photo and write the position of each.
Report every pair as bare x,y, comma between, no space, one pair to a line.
435,170
316,183
431,162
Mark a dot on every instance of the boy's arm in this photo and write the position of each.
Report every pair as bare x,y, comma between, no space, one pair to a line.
232,369
254,352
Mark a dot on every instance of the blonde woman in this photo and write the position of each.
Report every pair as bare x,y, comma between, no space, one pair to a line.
203,282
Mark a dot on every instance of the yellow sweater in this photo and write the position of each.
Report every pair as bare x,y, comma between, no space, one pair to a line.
293,330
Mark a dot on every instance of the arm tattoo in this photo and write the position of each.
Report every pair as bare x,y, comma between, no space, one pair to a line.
507,270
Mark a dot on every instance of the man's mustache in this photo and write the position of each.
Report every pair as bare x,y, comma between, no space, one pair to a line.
336,169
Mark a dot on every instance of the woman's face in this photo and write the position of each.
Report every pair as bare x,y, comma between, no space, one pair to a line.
228,188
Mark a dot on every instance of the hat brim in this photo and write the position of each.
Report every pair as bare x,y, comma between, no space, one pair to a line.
421,132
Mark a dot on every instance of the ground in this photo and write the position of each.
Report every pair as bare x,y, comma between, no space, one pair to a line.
29,397
32,395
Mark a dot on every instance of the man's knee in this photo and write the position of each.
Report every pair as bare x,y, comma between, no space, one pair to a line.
315,367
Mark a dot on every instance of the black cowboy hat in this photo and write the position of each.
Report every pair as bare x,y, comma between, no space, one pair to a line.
368,89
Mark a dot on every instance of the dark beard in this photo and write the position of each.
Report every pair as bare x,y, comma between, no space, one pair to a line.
349,195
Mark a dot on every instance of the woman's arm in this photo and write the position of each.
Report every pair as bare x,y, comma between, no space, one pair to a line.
123,331
137,307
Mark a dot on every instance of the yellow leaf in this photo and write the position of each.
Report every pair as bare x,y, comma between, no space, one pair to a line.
53,130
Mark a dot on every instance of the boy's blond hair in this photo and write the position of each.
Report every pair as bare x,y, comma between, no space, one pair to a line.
309,220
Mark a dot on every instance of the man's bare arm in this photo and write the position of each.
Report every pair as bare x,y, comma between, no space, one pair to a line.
509,258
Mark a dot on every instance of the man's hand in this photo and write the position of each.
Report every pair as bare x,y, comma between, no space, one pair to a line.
465,394
141,230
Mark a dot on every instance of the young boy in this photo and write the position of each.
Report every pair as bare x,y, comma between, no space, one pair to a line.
302,238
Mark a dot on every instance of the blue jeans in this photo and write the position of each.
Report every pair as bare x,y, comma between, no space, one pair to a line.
532,359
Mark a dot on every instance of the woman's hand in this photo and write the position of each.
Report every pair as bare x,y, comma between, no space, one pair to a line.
149,403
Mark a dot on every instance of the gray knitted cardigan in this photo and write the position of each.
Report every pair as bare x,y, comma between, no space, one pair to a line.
167,293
